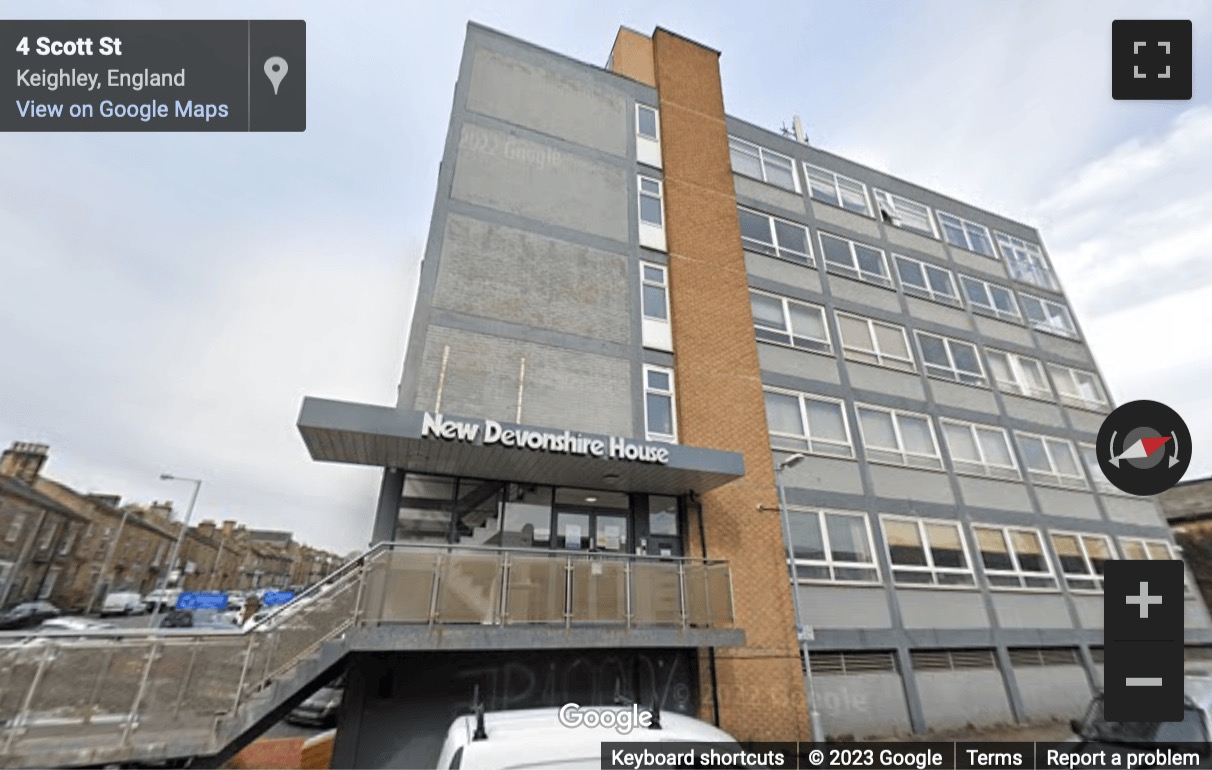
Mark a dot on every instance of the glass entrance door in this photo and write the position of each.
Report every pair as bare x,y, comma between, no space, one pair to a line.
592,530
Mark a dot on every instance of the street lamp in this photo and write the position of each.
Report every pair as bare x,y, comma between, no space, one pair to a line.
818,732
172,559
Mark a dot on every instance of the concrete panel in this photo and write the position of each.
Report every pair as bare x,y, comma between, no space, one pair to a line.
563,388
780,199
882,380
1003,330
862,705
848,220
499,272
528,95
1053,692
911,240
1086,421
1098,674
1195,615
952,699
975,263
1072,350
825,474
538,181
774,269
1063,502
1089,609
797,363
1031,610
1132,510
864,293
831,606
926,310
992,493
1032,410
942,608
911,484
968,397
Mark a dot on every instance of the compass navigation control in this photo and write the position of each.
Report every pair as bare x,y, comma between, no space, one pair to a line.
1144,447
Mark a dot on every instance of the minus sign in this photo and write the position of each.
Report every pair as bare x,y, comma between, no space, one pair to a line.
1143,681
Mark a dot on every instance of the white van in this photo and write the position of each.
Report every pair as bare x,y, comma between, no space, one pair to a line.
122,603
543,738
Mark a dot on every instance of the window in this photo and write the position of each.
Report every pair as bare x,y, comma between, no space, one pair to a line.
966,234
1052,317
801,423
833,546
1019,375
927,552
659,414
1078,388
654,292
980,449
926,280
855,260
14,528
837,190
789,322
874,342
991,298
1082,559
951,359
1026,262
774,237
1013,557
1140,549
763,164
651,209
1090,460
903,438
68,541
1051,461
906,213
48,537
647,122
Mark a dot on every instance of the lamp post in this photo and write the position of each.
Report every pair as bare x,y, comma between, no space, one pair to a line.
818,731
172,559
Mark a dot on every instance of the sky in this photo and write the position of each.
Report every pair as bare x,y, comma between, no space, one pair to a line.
167,300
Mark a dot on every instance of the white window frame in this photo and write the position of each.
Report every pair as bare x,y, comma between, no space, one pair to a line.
933,462
964,225
1053,477
952,373
1016,573
1026,262
1145,542
673,411
1068,374
853,270
774,248
828,563
1089,457
881,358
656,115
15,525
838,181
69,540
1092,575
928,291
762,154
1069,331
990,307
895,205
648,148
805,442
659,195
663,285
1020,386
48,539
824,346
981,466
929,568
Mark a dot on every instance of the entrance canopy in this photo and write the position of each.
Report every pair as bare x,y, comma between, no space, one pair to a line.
426,442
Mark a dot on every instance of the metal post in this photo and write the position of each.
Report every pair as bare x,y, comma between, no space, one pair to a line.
248,647
18,724
818,732
172,559
217,565
152,654
109,557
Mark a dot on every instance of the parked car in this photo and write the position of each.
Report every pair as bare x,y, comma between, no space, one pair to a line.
1094,733
28,615
536,738
199,620
166,599
122,603
320,708
76,624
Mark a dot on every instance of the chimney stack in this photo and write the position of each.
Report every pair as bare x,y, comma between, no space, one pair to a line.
24,461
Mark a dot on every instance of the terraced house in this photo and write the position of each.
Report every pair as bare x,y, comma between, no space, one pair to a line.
616,265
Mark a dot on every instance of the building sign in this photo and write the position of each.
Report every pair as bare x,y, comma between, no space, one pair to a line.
492,433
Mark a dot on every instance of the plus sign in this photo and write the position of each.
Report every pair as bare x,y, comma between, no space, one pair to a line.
1144,600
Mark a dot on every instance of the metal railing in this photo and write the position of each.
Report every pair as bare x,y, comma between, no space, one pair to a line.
102,693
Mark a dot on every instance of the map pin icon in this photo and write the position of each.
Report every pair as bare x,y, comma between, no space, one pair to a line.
275,70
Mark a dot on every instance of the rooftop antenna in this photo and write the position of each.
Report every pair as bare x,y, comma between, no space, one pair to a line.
797,126
784,130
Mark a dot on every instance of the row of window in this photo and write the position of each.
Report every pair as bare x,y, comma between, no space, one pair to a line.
1025,261
776,237
809,423
837,546
802,325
